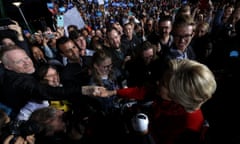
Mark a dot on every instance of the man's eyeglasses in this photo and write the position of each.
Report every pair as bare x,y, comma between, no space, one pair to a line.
185,37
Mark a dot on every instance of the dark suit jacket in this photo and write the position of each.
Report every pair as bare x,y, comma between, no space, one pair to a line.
19,88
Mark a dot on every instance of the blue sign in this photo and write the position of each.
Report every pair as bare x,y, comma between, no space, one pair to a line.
234,53
130,4
50,5
98,14
62,9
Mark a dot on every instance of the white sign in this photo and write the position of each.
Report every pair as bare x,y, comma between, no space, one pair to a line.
101,2
73,17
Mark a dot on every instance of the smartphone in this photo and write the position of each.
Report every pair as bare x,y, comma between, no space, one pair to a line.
5,21
60,21
50,36
3,28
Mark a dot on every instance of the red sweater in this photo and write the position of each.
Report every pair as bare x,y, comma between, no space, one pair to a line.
169,119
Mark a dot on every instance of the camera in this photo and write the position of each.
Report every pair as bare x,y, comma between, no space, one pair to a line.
3,27
19,128
230,29
5,21
49,35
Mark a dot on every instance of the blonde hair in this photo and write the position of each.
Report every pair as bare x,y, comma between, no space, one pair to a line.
204,25
190,83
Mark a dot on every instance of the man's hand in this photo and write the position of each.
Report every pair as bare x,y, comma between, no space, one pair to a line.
97,91
18,29
92,90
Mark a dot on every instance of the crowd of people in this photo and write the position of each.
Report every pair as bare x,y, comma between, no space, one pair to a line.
65,85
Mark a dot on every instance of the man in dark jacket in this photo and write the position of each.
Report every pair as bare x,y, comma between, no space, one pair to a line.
183,32
76,69
20,85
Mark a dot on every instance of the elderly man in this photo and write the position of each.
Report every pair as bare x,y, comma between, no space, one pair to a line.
20,85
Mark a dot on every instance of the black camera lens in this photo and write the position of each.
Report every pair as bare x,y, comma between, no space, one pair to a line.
19,128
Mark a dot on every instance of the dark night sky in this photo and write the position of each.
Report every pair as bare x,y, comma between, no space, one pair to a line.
33,10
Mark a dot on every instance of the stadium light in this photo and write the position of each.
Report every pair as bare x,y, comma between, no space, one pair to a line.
17,4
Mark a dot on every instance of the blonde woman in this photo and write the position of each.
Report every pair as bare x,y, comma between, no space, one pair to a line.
177,117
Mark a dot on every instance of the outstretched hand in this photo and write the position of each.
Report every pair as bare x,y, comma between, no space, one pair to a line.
97,91
107,93
92,90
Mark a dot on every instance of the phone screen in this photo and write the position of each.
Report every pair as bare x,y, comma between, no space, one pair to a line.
60,21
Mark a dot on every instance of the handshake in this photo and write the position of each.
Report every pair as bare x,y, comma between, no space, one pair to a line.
97,91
